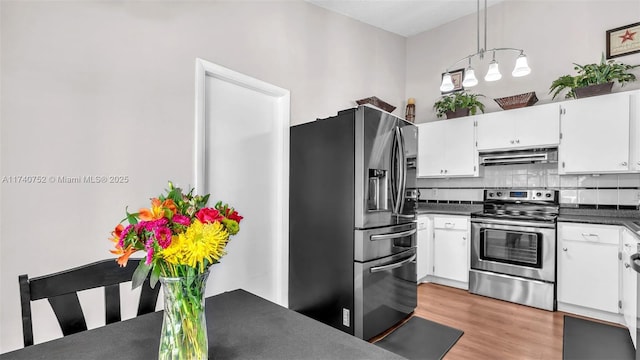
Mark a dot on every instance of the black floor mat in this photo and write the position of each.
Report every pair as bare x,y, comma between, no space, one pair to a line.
422,339
584,340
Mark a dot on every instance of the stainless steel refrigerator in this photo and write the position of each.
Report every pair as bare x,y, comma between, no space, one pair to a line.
352,232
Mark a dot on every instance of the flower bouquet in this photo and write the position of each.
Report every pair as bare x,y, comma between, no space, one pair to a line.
182,238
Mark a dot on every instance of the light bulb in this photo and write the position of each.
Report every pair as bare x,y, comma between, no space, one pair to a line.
447,83
522,67
470,79
493,74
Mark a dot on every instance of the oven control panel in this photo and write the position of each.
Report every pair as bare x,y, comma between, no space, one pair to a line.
522,195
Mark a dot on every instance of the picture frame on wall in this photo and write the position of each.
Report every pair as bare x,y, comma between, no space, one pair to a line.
456,77
624,40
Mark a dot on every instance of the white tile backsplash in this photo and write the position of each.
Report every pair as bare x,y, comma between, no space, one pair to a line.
568,196
604,189
629,197
585,181
587,197
608,197
568,181
629,180
607,181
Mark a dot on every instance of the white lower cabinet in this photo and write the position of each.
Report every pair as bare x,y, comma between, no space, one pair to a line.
588,268
629,284
451,250
425,247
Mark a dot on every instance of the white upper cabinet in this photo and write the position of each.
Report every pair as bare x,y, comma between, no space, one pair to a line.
534,126
634,132
447,148
595,135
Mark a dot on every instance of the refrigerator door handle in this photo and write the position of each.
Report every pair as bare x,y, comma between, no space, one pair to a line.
400,152
403,178
394,265
393,235
634,265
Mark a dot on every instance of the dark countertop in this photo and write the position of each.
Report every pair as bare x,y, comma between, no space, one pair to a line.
448,209
628,218
240,325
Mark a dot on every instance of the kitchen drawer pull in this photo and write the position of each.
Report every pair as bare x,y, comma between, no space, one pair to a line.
449,224
587,234
394,265
393,235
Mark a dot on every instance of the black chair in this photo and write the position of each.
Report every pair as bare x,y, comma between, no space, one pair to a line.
61,288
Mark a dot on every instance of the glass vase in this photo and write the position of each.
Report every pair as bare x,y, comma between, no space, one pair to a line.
184,326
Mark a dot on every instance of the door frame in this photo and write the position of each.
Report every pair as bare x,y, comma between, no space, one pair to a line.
282,117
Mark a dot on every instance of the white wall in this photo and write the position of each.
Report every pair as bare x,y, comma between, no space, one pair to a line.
554,35
107,88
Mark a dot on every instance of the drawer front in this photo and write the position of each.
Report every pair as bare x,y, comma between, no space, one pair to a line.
453,223
604,234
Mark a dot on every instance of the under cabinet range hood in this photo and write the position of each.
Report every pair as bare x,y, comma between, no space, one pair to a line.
521,156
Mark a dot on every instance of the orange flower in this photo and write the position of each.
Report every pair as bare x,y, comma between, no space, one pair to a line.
157,210
115,234
124,254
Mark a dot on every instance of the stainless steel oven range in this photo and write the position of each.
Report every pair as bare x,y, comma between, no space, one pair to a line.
513,247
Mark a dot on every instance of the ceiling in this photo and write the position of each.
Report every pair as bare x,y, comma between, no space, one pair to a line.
403,17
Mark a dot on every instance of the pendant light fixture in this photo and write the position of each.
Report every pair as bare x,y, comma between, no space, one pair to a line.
493,73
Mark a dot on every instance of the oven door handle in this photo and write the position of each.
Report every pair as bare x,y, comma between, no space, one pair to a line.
510,222
393,235
394,265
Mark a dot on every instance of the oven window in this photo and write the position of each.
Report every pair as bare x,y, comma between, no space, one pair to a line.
511,247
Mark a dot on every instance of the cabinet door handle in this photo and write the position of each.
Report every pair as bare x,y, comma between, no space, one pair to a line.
464,238
517,141
626,265
441,171
449,225
585,235
624,163
445,171
512,141
564,249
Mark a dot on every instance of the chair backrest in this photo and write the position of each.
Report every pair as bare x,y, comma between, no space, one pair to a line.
61,288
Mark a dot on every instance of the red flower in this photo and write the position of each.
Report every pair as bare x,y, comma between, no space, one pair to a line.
208,215
233,215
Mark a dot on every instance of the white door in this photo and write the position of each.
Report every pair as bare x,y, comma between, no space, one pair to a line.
450,254
432,147
461,153
595,135
242,139
537,126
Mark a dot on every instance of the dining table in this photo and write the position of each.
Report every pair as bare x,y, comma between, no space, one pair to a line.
240,325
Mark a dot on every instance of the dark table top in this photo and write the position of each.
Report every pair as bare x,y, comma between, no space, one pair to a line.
240,325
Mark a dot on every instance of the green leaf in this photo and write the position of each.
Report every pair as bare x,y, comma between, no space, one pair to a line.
140,275
155,275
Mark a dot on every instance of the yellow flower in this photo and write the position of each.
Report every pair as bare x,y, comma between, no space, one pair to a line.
198,243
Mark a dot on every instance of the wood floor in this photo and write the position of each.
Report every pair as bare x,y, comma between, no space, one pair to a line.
493,329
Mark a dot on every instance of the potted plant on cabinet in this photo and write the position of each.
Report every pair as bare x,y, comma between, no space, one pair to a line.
458,104
593,79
